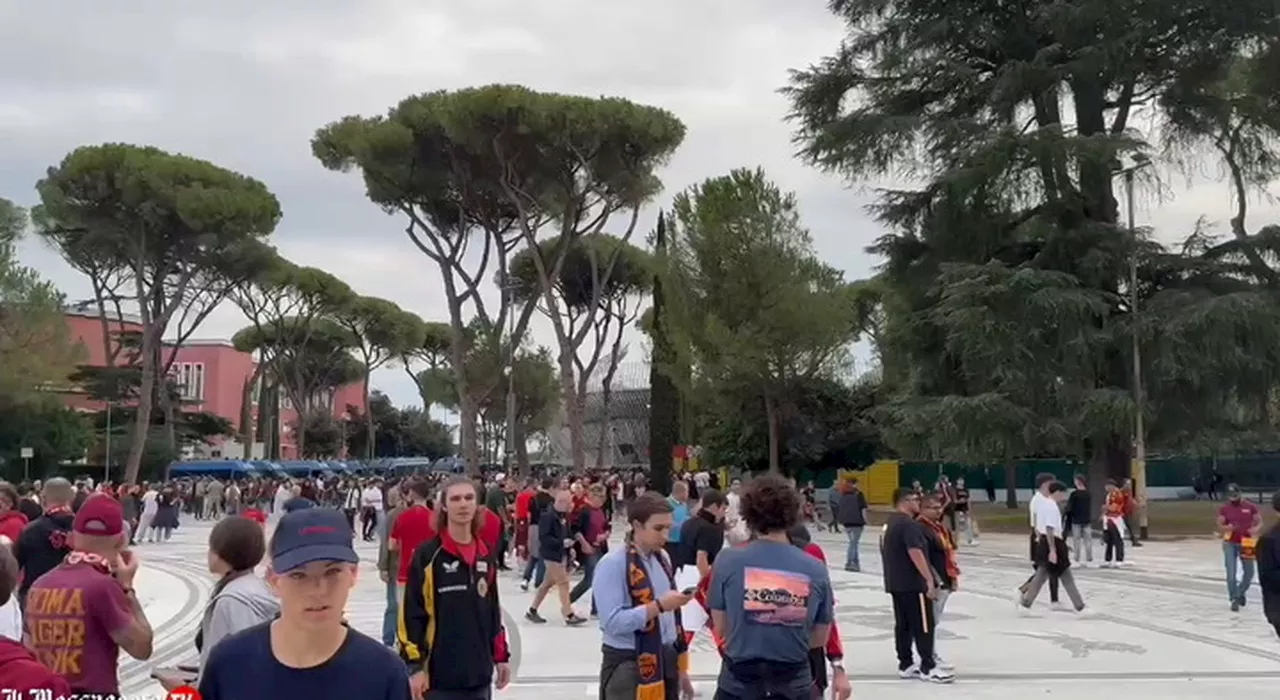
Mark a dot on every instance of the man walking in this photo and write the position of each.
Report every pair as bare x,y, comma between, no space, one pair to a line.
1050,550
851,512
909,581
1237,519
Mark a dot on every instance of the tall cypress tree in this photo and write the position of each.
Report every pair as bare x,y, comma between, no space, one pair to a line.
664,396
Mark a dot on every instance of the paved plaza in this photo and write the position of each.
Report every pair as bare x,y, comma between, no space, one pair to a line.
1160,628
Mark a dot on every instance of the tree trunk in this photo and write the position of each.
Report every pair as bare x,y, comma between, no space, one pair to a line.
246,414
771,415
142,418
602,442
369,433
573,410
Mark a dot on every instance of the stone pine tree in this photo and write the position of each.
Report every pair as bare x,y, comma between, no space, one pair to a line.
169,222
1006,277
664,395
487,169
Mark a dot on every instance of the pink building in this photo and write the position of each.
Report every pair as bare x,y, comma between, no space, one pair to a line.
211,375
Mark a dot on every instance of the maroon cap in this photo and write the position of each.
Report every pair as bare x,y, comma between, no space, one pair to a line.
100,516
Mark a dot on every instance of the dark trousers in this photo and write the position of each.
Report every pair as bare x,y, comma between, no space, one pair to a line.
477,694
1114,541
619,674
351,517
769,680
913,623
588,574
1271,608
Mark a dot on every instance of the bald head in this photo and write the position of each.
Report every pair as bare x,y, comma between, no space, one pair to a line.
57,492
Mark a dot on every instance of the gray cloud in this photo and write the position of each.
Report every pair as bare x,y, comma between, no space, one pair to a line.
245,84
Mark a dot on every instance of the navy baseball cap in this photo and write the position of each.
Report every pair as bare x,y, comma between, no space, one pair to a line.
312,534
298,503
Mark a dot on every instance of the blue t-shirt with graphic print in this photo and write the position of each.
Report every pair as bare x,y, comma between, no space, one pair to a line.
773,595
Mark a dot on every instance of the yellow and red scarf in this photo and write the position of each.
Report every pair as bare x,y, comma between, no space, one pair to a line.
652,685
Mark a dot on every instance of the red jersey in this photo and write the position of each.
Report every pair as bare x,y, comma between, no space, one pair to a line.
524,499
255,515
491,530
413,527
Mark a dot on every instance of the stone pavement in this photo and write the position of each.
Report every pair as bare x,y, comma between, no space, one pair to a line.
1158,628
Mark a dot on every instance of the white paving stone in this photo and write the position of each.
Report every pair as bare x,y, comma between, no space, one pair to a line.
1158,629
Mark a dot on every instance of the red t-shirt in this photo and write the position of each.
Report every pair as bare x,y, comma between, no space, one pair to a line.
1239,517
413,527
71,613
255,515
491,529
523,500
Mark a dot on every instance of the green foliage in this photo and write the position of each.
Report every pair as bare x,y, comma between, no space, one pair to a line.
597,269
322,435
54,433
753,309
399,432
36,350
825,425
176,231
506,163
664,393
1004,312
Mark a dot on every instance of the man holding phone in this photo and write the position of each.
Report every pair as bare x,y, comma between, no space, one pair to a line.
644,652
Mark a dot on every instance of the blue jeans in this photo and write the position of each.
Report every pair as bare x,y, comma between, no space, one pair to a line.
588,575
851,558
537,569
1236,590
391,618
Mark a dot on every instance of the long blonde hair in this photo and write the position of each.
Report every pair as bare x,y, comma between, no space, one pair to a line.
442,517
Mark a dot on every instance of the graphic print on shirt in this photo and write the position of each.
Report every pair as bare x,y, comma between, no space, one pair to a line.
775,597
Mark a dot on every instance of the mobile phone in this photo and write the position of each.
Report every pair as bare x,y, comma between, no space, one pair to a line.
690,590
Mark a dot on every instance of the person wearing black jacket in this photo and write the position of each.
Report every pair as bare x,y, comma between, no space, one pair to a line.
451,633
1079,521
851,512
1268,553
554,541
45,542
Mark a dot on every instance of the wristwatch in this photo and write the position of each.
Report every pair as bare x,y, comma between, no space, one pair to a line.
837,664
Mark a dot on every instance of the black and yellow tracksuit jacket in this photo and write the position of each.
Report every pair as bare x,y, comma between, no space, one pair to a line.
450,619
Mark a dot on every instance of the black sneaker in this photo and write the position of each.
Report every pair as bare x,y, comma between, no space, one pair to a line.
1235,606
534,617
574,620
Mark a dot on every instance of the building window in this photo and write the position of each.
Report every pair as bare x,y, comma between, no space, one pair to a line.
188,378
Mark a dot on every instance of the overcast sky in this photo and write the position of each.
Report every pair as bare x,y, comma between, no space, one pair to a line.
245,84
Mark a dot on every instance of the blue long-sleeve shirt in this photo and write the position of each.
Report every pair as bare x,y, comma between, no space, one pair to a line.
620,619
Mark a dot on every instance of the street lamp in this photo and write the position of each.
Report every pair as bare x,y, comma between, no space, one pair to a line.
1139,161
508,298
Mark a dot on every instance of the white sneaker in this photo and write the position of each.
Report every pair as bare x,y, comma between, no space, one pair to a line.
1057,605
939,662
938,675
911,673
1084,564
1105,565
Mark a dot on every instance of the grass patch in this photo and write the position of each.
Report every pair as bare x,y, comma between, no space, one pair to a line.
1172,519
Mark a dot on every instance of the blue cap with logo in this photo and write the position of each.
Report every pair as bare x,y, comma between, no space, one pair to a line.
312,534
298,503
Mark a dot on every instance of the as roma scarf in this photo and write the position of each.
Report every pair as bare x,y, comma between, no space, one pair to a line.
649,639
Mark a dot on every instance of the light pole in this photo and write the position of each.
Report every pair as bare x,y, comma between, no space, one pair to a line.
508,293
1139,395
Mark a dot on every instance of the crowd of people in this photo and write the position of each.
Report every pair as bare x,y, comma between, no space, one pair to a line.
737,565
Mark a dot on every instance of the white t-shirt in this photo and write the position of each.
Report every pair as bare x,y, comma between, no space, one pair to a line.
372,498
1045,514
